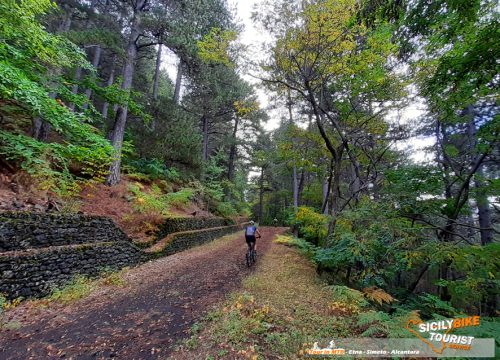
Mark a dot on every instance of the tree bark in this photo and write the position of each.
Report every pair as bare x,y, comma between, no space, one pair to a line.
110,81
204,120
156,81
178,83
261,195
482,203
232,152
484,212
95,63
301,186
326,192
295,186
74,88
295,183
335,198
118,130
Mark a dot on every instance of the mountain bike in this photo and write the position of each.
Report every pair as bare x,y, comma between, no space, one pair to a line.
251,255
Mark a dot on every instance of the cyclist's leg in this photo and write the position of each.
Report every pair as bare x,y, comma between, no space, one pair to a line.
249,240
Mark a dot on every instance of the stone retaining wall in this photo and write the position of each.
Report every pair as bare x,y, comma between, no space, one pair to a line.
180,241
174,225
35,273
21,230
39,252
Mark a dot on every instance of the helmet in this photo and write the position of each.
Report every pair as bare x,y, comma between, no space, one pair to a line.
252,222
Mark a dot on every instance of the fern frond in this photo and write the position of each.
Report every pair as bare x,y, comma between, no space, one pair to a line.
378,295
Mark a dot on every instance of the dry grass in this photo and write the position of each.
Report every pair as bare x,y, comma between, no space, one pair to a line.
280,309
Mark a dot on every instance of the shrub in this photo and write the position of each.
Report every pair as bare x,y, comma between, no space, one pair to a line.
312,226
225,209
153,201
180,198
80,287
152,169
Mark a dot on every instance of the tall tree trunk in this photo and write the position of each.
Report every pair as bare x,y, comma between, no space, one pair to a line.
118,130
326,192
178,82
295,182
295,186
204,120
156,81
301,185
110,81
335,198
482,203
484,212
95,63
261,195
41,129
232,152
74,88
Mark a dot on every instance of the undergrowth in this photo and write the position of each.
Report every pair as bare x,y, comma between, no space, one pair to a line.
81,286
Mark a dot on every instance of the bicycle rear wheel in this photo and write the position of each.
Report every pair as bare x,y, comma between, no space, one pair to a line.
254,256
249,259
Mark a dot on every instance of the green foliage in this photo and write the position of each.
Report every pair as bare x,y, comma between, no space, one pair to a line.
312,225
180,198
349,296
480,274
50,163
3,301
369,246
216,45
29,56
225,209
80,287
26,39
153,201
154,168
381,324
305,247
431,306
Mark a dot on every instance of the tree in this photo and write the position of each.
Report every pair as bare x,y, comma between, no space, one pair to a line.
343,70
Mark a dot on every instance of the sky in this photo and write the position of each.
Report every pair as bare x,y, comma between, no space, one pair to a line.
254,38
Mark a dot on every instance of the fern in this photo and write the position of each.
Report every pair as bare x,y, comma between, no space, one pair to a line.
347,295
378,295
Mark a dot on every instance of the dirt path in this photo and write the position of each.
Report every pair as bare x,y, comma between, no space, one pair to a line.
143,320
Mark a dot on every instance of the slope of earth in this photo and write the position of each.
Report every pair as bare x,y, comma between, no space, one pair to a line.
20,192
145,319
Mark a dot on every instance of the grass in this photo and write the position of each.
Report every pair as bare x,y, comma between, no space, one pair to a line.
82,286
279,310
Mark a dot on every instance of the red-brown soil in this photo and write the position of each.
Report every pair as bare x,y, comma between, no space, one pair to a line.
18,192
144,319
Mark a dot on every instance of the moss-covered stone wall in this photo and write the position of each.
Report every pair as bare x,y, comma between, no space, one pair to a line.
180,241
39,252
174,225
25,230
34,273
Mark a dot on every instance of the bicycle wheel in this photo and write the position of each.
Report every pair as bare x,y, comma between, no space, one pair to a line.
249,259
254,256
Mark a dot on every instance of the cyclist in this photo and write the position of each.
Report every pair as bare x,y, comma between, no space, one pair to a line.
250,232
